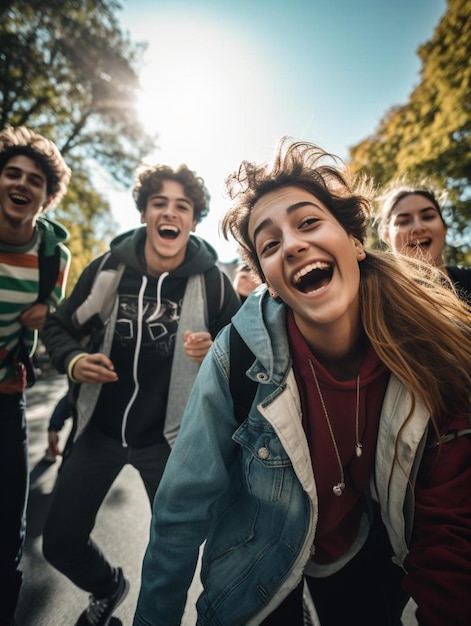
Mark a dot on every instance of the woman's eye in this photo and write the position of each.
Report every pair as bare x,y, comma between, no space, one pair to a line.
268,247
309,221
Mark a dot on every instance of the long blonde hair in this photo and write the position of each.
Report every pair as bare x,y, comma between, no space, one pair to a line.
410,312
420,330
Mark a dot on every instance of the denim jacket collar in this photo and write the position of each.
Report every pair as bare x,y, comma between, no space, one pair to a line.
261,322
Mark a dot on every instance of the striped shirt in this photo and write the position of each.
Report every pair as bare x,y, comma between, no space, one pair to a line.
19,283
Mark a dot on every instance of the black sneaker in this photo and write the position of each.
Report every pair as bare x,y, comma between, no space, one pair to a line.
100,610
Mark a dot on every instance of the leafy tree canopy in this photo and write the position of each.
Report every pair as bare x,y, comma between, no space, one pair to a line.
430,136
69,72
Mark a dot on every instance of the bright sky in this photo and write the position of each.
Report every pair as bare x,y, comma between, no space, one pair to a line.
224,80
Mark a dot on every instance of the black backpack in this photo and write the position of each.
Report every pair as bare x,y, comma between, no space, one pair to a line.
242,389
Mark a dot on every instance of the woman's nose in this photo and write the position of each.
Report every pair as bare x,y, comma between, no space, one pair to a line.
293,243
417,225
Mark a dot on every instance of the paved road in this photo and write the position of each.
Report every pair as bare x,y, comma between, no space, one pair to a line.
47,597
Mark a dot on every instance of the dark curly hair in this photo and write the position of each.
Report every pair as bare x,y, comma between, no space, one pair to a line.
46,155
304,165
149,180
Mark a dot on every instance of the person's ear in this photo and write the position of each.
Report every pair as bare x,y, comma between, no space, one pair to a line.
361,254
46,204
271,291
143,217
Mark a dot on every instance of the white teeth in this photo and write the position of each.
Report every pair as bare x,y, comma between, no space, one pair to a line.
15,197
318,265
169,227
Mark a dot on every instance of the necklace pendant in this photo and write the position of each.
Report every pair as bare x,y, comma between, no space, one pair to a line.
358,450
338,489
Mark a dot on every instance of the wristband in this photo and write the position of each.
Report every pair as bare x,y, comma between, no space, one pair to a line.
72,365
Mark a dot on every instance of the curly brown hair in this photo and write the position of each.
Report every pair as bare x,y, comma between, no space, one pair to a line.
46,155
149,180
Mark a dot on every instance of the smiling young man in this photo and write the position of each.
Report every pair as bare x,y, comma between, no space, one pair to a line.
33,177
152,307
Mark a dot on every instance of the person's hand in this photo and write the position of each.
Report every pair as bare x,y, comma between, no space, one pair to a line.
196,345
15,384
33,317
94,368
53,443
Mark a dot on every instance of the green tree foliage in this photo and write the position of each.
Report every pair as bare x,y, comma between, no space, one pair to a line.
68,71
78,213
430,136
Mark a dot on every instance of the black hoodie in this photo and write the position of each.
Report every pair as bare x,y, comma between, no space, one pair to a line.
162,299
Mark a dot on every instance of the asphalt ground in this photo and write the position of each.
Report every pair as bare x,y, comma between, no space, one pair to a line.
47,597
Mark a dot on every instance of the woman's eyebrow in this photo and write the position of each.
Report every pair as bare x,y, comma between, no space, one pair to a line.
431,207
290,209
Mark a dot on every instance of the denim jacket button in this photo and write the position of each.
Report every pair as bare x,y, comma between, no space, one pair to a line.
262,377
263,453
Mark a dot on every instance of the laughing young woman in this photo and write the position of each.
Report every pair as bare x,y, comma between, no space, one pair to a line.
348,483
411,223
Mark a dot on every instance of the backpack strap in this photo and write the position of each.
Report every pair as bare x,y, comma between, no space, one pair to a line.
48,271
215,293
242,389
95,310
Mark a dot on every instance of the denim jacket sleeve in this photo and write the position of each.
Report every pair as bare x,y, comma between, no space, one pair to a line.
197,473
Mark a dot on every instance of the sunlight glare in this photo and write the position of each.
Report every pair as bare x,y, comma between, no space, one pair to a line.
199,81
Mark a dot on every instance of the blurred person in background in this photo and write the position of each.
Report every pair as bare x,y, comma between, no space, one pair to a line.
245,281
33,271
411,222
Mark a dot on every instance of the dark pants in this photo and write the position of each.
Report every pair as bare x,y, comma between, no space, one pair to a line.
86,477
367,591
14,484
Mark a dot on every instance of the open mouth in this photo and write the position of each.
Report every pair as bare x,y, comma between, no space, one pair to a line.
313,277
17,199
423,243
169,232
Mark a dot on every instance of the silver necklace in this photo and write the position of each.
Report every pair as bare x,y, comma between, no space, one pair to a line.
340,486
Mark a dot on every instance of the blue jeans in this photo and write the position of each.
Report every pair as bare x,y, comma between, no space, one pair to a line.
14,485
85,478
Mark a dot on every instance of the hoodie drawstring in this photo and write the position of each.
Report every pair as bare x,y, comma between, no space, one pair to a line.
156,313
137,350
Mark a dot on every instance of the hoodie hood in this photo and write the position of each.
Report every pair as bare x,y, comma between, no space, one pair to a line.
52,233
129,249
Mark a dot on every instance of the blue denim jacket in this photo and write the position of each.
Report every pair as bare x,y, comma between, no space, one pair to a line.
247,490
